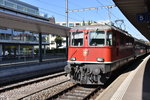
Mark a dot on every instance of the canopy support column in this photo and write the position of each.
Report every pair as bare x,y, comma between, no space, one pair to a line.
40,47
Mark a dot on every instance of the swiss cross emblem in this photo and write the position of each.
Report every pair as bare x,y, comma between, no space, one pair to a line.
85,52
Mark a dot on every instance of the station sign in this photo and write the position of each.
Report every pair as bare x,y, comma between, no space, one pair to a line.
143,17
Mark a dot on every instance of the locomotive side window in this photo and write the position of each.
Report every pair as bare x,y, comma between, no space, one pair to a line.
114,39
109,38
97,38
77,38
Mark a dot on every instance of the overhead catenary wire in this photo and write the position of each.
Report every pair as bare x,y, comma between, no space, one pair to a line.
58,6
51,11
111,13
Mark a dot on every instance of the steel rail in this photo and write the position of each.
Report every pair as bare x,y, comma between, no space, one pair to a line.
43,89
13,86
76,92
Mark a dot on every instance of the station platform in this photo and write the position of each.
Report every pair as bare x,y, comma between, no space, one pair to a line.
133,85
15,71
139,87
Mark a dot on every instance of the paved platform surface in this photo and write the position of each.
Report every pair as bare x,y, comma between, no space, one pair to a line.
132,85
139,88
10,73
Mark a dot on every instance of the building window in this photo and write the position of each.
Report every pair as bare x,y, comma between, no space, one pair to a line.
2,36
52,42
10,4
78,24
19,7
31,11
64,24
1,2
28,36
71,24
5,34
35,37
45,38
58,23
18,35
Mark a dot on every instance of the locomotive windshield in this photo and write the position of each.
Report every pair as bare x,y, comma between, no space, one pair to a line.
77,38
97,38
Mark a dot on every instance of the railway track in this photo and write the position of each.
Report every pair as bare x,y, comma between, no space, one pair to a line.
44,89
28,82
37,88
52,91
61,90
76,92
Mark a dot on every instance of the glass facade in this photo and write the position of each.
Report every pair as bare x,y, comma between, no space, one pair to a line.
17,35
19,43
20,7
10,34
5,34
10,50
45,38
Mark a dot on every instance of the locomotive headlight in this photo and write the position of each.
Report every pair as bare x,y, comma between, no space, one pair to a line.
73,59
100,59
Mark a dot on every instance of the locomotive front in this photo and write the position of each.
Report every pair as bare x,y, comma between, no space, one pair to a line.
89,55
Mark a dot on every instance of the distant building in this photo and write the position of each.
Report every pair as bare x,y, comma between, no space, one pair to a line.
52,20
18,43
74,23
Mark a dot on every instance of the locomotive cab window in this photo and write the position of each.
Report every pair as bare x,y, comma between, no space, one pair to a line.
77,38
109,38
96,38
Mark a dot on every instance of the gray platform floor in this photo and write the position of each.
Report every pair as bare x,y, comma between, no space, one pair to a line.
132,85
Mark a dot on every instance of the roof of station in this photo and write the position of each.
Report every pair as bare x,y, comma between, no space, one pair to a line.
22,23
132,9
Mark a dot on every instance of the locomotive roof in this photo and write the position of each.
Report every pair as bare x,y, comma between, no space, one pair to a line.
100,27
91,27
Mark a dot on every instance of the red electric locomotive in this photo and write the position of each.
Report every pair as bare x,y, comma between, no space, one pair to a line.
95,51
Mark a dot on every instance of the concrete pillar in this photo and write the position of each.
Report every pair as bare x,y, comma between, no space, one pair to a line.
44,50
19,51
1,52
33,51
40,47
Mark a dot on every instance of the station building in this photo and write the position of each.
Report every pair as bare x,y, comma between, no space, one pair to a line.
20,43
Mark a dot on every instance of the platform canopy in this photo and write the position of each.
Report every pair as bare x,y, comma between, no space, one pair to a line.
138,13
28,24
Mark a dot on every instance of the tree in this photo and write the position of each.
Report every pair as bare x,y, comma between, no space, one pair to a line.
58,41
83,23
89,22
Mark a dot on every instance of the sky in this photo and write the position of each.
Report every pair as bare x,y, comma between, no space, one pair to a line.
56,8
